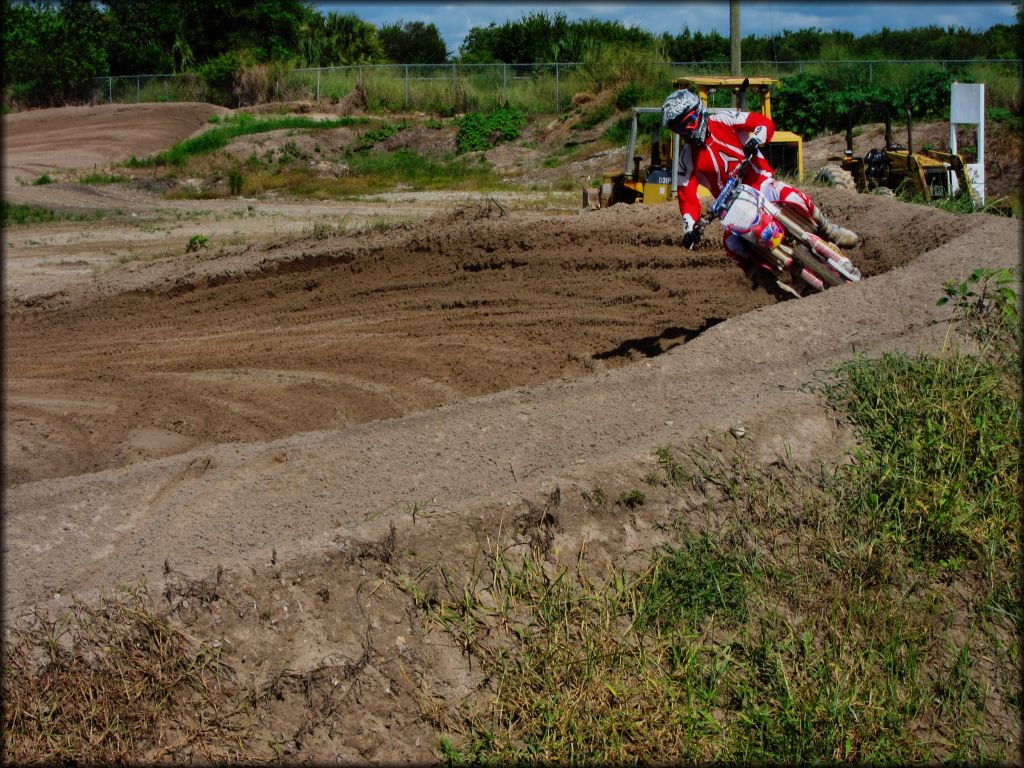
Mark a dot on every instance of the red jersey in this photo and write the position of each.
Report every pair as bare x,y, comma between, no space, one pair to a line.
709,165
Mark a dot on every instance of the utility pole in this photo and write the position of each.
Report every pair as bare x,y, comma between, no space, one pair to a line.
734,46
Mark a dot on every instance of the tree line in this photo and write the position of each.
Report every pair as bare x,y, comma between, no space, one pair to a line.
54,48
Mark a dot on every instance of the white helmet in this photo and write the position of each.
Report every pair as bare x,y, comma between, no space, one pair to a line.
685,114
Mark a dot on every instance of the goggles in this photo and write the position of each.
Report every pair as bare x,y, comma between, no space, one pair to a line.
685,123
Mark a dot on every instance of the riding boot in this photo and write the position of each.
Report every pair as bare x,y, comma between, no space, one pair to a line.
841,236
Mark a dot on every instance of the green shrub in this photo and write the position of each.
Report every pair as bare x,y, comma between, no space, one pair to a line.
218,75
375,135
196,242
478,131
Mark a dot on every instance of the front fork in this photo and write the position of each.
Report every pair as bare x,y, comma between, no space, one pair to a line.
785,260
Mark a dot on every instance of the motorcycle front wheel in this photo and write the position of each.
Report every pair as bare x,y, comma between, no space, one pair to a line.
816,266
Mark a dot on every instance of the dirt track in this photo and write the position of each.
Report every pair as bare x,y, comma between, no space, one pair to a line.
288,399
324,334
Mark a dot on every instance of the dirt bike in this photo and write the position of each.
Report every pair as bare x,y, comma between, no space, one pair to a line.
787,256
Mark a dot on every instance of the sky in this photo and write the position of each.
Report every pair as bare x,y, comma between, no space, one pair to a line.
757,17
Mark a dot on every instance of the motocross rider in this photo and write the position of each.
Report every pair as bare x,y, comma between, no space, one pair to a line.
713,144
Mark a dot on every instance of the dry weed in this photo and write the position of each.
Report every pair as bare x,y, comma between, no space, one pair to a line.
115,683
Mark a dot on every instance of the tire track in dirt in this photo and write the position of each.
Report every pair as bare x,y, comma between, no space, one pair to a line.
323,335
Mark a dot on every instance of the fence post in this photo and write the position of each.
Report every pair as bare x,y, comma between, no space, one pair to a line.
318,85
558,100
138,89
504,80
871,71
110,90
406,86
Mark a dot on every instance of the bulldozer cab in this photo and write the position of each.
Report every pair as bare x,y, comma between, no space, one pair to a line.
651,184
638,183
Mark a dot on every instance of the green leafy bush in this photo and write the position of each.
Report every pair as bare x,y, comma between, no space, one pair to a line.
196,242
478,131
218,74
52,52
368,138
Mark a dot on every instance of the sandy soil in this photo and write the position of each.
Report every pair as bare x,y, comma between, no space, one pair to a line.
298,414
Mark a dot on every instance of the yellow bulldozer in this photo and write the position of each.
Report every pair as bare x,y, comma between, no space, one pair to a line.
656,182
929,174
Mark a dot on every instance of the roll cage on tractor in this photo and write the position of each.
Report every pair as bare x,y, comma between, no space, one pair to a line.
657,182
929,173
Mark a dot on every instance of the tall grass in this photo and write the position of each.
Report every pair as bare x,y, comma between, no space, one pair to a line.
368,174
939,468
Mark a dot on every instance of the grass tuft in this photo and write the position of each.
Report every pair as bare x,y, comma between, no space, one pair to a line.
17,213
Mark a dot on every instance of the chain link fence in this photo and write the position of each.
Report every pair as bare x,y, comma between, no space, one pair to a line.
455,87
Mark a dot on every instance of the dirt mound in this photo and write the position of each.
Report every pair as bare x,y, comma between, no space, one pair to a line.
44,140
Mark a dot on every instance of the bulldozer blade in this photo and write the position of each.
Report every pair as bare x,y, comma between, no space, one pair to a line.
591,199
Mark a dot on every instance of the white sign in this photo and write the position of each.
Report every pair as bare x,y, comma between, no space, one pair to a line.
967,103
967,107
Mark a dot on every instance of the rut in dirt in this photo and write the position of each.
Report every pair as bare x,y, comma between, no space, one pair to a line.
322,334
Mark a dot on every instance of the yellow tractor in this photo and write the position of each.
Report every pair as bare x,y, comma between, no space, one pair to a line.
656,182
647,185
928,173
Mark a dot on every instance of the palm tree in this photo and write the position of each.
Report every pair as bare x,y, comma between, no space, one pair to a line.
338,40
